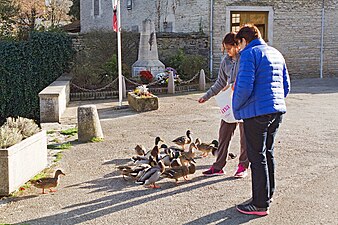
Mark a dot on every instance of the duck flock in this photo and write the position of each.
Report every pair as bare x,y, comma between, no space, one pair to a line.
173,162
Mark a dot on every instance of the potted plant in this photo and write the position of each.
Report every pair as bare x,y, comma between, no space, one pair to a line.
142,100
23,153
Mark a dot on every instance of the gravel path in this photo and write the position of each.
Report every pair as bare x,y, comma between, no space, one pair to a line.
92,192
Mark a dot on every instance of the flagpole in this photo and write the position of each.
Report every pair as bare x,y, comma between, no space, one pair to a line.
119,52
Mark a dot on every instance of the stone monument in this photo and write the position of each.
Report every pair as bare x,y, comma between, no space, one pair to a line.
147,53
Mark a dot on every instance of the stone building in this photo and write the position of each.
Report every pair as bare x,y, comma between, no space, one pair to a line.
294,26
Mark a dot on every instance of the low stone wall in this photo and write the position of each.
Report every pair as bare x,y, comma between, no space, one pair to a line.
22,161
54,100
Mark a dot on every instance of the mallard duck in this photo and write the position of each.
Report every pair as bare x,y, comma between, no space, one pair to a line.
171,156
151,175
180,171
167,158
48,182
140,150
206,148
183,140
138,159
175,162
167,149
133,171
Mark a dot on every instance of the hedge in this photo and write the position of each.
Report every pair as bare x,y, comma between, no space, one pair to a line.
27,67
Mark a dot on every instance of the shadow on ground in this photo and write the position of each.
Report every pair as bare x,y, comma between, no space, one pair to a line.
116,201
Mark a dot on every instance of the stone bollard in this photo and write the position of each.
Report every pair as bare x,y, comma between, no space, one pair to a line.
171,83
88,123
202,81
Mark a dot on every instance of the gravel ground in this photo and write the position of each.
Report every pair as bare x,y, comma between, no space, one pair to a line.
93,192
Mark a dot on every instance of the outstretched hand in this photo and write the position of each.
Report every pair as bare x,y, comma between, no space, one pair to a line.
201,100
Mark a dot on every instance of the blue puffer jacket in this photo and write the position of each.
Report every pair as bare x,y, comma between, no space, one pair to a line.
262,81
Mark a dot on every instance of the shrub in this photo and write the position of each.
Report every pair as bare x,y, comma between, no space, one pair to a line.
27,127
187,65
9,136
27,67
96,64
14,130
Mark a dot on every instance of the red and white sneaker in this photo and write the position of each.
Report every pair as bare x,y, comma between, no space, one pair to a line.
213,172
241,171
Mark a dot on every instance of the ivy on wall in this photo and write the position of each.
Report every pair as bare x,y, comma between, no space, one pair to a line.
27,67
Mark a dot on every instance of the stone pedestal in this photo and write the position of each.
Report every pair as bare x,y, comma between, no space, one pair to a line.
171,83
88,122
141,104
202,80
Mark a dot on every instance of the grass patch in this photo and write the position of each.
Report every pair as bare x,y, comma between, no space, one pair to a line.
70,131
51,131
96,139
58,157
39,176
67,145
56,140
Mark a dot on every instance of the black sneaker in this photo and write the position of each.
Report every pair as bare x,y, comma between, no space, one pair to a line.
250,209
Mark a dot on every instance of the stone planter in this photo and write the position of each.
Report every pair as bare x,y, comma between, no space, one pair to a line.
141,104
22,161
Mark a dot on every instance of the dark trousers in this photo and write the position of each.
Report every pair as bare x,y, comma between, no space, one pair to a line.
260,134
226,131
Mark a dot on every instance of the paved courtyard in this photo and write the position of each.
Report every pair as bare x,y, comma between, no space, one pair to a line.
93,192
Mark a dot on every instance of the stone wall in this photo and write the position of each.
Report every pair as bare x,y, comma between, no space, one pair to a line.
167,43
193,44
296,27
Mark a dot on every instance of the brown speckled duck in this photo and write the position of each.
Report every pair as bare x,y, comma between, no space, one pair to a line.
179,171
140,150
48,182
206,148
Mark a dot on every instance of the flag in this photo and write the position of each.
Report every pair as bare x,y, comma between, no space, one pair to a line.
114,19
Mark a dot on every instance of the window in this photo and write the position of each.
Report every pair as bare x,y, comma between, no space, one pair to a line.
96,7
129,4
261,17
167,26
235,22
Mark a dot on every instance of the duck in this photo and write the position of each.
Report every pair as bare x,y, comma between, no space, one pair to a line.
206,148
183,140
48,182
173,148
140,150
179,171
156,151
151,175
144,159
134,171
191,153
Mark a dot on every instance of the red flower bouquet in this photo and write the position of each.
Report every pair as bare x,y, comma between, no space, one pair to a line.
146,76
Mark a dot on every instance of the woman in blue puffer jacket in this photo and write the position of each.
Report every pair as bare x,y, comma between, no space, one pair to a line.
260,89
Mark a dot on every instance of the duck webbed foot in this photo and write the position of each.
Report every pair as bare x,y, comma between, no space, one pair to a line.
154,186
